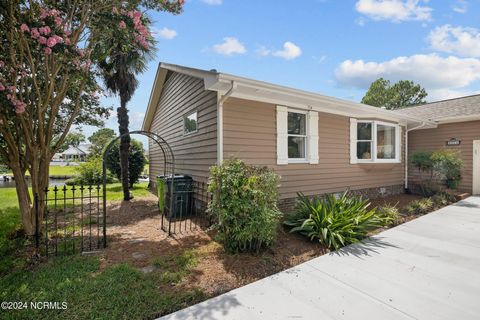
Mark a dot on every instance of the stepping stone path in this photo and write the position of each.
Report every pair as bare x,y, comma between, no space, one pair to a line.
138,255
148,269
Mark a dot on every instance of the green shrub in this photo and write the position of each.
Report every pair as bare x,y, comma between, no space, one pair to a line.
136,161
421,206
244,205
90,173
390,213
442,165
334,222
422,160
442,199
448,165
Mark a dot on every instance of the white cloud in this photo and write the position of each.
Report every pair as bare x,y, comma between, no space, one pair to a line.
165,33
213,2
430,71
442,94
394,10
460,7
263,51
290,51
320,59
229,46
459,40
360,21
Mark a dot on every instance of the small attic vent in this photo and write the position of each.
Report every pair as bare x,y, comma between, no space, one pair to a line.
213,70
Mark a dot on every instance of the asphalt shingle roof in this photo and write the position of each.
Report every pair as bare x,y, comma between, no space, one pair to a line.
436,111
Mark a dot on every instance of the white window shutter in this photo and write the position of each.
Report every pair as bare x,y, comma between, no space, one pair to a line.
312,139
282,135
353,141
398,139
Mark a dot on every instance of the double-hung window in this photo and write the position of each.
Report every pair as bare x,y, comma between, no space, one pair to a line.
374,141
297,136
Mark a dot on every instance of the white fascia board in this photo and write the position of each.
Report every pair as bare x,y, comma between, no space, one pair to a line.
155,95
472,117
266,92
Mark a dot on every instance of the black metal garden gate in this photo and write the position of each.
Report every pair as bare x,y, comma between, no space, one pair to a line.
73,220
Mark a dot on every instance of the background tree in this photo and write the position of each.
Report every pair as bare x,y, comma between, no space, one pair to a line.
99,139
48,83
72,139
402,94
136,161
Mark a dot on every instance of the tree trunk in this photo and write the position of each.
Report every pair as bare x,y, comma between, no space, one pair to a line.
27,212
122,114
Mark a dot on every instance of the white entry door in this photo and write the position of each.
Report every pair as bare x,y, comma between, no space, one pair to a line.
476,167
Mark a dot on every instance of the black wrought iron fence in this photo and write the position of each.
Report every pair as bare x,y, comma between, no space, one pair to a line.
70,220
189,209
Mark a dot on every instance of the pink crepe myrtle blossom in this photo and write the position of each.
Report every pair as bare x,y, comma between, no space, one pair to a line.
24,28
45,30
114,10
66,41
9,96
11,88
43,13
2,64
47,50
2,87
130,14
34,33
53,13
19,105
58,21
42,40
122,24
58,38
51,42
137,15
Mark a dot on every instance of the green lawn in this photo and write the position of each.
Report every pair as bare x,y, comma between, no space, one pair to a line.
116,292
70,170
62,170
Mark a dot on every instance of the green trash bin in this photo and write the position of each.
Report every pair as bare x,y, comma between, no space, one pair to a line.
182,198
161,189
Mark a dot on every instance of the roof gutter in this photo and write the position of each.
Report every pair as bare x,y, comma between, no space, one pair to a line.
221,100
423,124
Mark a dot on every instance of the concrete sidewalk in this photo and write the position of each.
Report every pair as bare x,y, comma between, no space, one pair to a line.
428,268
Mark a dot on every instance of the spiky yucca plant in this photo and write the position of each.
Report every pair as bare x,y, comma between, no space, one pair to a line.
334,222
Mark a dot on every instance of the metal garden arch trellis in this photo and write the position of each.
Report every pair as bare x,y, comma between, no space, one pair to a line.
168,170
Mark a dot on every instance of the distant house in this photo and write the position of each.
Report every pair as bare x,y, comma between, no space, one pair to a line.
78,153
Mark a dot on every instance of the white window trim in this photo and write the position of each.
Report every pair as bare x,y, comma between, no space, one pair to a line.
374,159
305,159
311,141
185,116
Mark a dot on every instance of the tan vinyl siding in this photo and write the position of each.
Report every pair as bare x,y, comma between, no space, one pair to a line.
194,152
434,139
250,134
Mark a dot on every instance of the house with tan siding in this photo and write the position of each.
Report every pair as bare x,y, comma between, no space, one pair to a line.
457,128
317,144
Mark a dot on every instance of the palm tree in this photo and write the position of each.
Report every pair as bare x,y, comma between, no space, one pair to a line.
119,72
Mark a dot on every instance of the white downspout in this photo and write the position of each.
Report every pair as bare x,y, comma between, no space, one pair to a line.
221,100
406,151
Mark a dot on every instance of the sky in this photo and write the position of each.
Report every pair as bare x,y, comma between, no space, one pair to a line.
332,47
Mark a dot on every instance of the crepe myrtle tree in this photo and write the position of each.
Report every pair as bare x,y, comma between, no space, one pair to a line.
48,82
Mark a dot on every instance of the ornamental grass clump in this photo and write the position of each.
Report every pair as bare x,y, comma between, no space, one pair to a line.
244,205
334,221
